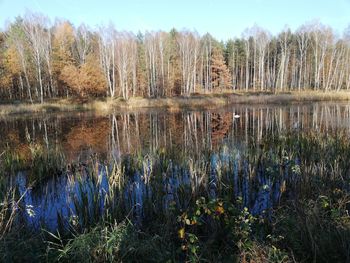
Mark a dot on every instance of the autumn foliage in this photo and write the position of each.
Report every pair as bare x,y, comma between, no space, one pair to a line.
40,60
86,80
220,75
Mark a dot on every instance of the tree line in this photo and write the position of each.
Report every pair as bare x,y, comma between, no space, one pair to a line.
41,60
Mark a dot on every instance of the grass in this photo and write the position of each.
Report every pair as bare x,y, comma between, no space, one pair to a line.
41,164
195,101
309,222
60,105
212,100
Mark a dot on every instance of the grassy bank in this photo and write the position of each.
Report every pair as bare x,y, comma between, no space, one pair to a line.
212,100
63,105
196,101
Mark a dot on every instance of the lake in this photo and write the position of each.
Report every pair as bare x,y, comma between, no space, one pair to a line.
136,163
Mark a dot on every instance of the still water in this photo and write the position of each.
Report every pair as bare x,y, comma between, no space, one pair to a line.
197,139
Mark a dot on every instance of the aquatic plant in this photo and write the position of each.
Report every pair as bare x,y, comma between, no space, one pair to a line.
282,198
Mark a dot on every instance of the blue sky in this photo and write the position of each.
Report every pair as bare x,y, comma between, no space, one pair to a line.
222,18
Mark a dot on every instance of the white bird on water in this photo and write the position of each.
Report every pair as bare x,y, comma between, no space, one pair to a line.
236,116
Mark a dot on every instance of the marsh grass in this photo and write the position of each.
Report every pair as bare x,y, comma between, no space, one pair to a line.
195,101
42,163
200,207
62,105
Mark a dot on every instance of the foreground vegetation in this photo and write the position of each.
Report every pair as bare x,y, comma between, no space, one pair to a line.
284,199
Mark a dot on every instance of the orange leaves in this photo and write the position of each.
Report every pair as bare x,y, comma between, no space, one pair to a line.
92,79
86,80
70,76
220,74
220,209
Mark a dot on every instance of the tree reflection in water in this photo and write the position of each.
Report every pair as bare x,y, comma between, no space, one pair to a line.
151,161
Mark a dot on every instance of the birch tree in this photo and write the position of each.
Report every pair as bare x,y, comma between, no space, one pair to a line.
188,47
37,35
303,41
107,43
16,37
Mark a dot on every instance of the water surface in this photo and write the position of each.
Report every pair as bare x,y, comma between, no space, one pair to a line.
211,138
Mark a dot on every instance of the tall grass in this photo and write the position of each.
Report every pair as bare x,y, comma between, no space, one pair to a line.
283,199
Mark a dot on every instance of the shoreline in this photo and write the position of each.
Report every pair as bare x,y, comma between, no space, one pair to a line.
197,101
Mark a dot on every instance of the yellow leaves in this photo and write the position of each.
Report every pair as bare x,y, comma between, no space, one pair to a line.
12,61
207,211
181,233
5,81
219,210
64,35
9,67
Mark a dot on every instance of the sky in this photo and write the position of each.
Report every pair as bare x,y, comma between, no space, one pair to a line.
223,19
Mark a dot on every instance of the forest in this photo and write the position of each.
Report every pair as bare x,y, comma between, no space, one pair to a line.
42,60
172,145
